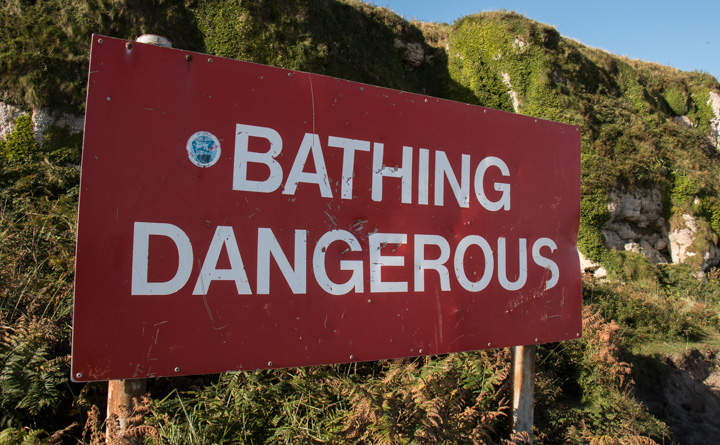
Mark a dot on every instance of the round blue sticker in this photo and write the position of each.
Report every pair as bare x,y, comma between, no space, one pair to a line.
203,149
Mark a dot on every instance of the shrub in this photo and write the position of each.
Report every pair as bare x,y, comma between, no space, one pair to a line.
62,147
701,112
20,144
676,99
684,191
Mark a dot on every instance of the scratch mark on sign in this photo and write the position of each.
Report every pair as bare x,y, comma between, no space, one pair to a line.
138,370
333,219
207,308
312,98
439,314
457,338
359,225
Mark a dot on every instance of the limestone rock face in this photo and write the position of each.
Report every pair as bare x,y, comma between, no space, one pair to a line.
683,120
41,119
714,102
590,267
8,114
414,53
636,223
681,238
513,95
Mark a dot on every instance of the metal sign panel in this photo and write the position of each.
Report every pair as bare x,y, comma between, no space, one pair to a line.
235,216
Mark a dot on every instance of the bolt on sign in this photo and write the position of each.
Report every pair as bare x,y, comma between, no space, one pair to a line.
235,216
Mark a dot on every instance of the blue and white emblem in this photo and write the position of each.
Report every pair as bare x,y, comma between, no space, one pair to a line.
203,149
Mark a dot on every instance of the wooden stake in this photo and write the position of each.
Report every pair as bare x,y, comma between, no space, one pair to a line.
122,392
523,387
119,402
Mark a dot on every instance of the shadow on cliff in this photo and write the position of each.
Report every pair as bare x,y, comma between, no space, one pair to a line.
352,41
684,392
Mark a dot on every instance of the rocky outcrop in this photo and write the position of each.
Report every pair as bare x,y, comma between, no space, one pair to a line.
41,119
714,103
684,120
8,114
591,268
636,224
682,239
513,95
414,53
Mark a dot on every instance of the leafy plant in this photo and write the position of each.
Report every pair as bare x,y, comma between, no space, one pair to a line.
30,381
20,145
676,99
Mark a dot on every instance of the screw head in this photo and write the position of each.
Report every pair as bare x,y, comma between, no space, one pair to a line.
79,375
270,363
129,45
420,351
289,74
188,57
210,60
352,357
177,369
100,40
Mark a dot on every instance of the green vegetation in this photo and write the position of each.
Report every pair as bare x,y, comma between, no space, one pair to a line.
44,46
586,392
20,145
625,109
456,399
351,40
676,99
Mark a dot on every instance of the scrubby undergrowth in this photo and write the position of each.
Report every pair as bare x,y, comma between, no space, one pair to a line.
586,389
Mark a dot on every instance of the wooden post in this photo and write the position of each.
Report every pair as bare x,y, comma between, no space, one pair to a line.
121,392
523,392
119,403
